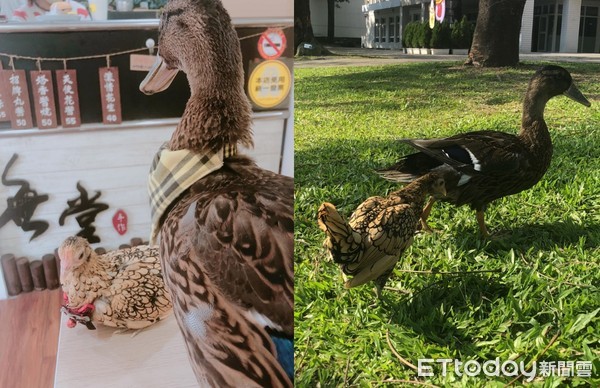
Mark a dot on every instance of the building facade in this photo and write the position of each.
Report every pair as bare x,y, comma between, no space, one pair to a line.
349,19
567,26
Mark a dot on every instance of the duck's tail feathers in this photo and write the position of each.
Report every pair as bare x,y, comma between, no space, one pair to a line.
409,168
342,241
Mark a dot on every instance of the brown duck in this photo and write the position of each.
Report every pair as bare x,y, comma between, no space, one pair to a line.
371,242
487,165
226,241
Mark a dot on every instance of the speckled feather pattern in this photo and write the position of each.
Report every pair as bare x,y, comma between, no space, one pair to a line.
226,243
125,286
227,248
377,233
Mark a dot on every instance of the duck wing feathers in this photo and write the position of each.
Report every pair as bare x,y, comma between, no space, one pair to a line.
487,152
227,250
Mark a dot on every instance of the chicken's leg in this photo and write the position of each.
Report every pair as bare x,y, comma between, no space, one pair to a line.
425,215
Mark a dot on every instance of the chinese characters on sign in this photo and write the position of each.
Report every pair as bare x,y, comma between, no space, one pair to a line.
3,107
43,97
68,98
17,94
87,210
110,95
21,207
3,111
269,84
120,222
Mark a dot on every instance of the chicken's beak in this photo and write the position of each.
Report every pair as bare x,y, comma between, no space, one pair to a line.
574,94
159,77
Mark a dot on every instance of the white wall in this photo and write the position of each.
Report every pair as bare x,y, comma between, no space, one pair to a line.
260,8
112,159
349,19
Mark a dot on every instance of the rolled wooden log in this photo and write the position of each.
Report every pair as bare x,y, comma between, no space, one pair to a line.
37,273
124,246
50,272
136,241
11,275
100,250
57,258
24,274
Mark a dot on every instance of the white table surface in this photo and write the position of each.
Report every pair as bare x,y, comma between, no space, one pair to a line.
154,357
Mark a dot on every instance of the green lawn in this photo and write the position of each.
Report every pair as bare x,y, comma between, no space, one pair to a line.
542,302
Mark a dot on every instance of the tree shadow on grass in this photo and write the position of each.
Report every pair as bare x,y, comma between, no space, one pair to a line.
428,313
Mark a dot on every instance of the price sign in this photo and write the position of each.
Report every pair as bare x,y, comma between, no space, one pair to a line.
110,95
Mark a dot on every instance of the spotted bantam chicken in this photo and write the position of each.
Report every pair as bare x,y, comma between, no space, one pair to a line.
225,225
488,165
122,288
370,244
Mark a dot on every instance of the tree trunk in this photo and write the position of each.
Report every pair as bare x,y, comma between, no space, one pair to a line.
330,20
496,37
304,39
303,31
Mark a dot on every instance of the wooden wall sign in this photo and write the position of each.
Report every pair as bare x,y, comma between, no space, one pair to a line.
68,98
43,98
110,95
4,112
17,94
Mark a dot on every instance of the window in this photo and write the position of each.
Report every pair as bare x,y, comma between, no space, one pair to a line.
392,30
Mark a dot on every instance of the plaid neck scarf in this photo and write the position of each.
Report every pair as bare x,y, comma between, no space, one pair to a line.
173,172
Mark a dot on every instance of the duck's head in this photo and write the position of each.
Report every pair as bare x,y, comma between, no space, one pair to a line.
73,252
554,80
196,37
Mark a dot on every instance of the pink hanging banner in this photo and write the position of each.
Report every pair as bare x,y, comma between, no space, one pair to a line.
68,98
17,96
43,98
440,10
110,95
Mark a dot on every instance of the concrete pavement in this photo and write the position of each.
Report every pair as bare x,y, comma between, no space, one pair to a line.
353,56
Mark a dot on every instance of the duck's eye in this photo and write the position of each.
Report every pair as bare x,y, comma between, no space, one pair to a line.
164,19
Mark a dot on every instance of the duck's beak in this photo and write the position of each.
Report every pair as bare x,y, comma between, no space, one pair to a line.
159,77
574,94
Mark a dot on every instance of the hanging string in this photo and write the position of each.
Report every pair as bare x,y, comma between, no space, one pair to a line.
84,57
64,64
38,63
262,32
108,61
53,59
11,63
